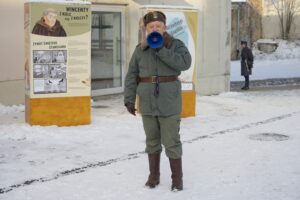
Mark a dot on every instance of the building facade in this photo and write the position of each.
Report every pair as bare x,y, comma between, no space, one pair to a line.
258,19
246,24
115,33
271,23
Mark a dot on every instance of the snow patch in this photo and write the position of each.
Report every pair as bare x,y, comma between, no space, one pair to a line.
11,109
285,50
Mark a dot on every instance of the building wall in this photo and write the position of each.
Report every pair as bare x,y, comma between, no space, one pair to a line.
255,12
213,58
11,52
248,27
239,27
213,74
271,24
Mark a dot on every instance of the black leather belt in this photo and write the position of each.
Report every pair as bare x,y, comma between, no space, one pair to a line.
157,79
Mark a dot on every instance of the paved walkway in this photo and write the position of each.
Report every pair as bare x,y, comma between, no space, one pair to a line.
268,84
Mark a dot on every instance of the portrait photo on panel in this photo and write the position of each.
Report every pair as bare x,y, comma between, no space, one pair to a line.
49,25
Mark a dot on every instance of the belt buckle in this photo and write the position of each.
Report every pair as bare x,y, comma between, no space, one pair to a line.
154,79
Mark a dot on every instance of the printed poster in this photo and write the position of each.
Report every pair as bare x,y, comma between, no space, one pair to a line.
58,48
183,25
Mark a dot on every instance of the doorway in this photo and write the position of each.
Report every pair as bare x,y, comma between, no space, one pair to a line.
107,50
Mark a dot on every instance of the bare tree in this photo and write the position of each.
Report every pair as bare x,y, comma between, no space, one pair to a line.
286,10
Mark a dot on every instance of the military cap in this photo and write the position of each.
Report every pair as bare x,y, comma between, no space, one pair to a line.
154,16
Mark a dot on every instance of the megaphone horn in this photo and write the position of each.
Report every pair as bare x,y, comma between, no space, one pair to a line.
155,40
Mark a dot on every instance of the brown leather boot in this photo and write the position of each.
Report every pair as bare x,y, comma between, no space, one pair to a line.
176,168
154,161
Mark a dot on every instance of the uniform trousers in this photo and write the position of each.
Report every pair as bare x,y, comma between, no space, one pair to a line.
163,131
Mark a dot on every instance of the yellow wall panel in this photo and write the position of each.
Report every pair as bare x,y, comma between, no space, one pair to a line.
188,103
65,111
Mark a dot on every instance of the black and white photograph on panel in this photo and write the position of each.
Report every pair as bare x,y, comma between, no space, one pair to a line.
40,71
57,71
42,56
56,85
59,56
48,86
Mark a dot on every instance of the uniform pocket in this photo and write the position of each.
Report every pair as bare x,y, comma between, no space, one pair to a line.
144,92
169,99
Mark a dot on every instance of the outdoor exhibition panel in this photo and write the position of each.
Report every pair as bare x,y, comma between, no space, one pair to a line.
57,62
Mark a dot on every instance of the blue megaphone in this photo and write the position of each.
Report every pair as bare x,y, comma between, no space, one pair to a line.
155,40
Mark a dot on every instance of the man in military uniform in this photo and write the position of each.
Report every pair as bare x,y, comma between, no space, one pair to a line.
153,76
246,63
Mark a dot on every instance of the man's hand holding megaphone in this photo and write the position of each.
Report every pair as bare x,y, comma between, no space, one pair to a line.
156,41
167,40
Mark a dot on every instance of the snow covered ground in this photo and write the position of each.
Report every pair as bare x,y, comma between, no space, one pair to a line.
283,63
267,69
230,153
285,50
241,145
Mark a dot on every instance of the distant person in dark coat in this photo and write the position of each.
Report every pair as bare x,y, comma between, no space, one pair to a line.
246,63
48,25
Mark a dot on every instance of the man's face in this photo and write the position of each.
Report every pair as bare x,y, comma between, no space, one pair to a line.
50,19
157,26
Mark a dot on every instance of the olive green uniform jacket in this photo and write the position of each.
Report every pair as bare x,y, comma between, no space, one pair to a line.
147,62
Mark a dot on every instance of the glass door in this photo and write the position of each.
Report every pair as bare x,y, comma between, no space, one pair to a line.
107,53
